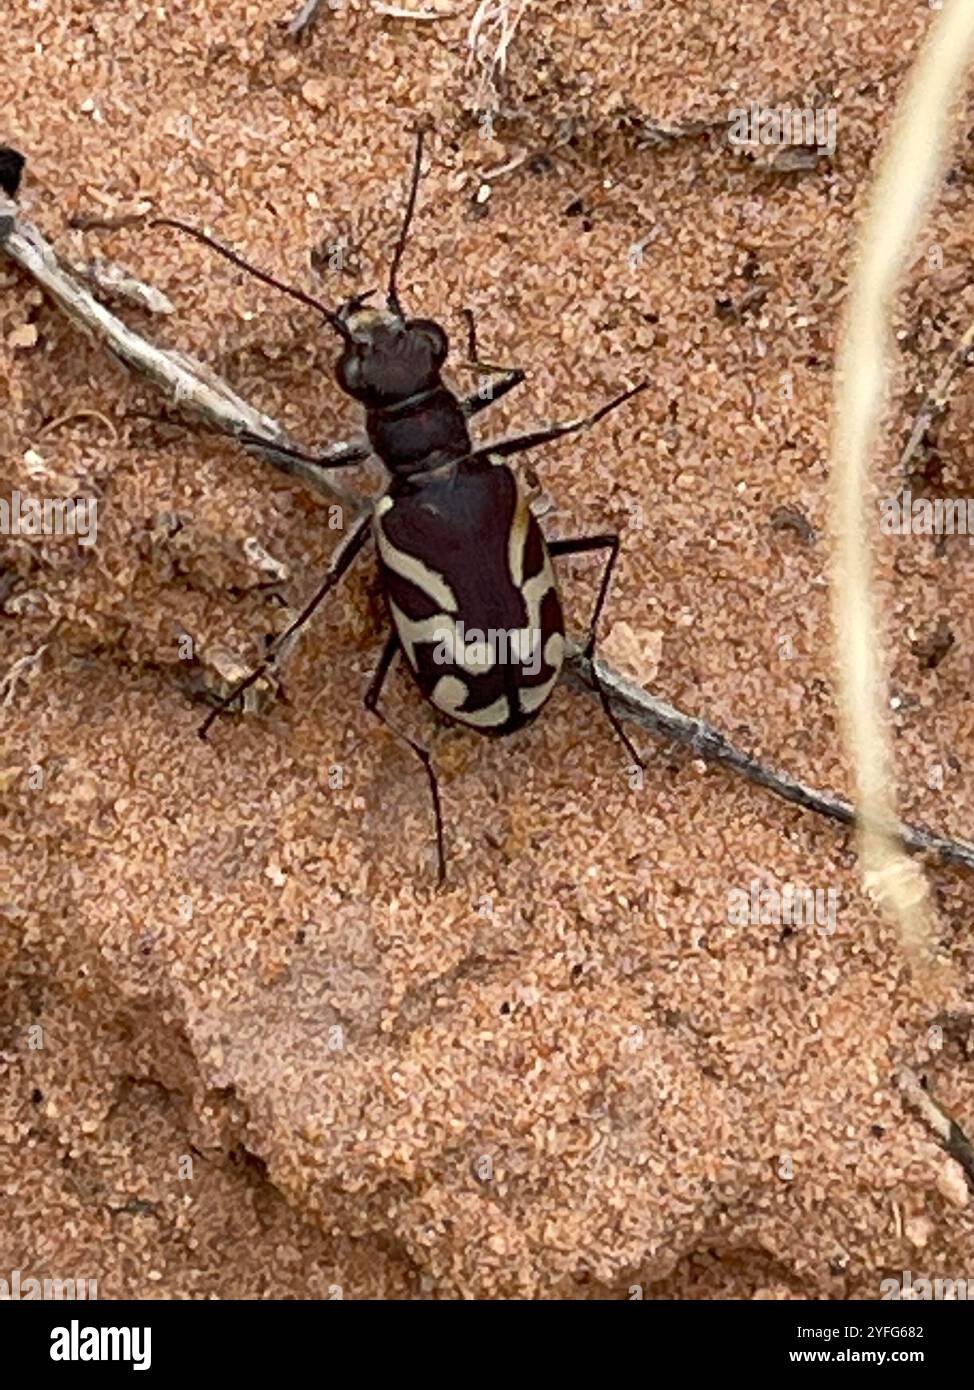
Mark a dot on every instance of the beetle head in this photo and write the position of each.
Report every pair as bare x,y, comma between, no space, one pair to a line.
386,358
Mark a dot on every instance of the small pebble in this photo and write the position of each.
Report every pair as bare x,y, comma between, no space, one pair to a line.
317,93
952,1184
23,336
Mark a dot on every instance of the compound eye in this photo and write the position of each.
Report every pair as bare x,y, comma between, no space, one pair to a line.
433,335
349,371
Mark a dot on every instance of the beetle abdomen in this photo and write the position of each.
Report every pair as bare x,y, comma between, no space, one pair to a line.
472,594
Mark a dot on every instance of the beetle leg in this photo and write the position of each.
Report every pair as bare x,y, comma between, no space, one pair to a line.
578,546
492,392
341,562
339,456
504,379
473,353
309,468
372,705
503,448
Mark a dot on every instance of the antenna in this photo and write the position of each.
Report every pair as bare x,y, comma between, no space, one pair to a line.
231,256
392,296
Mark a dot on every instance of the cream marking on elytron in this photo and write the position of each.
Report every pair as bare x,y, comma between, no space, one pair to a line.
518,539
449,694
533,591
533,696
409,567
441,628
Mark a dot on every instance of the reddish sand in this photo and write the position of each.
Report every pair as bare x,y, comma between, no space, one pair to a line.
568,1074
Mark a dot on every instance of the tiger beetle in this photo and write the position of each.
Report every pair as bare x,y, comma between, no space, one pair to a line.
465,569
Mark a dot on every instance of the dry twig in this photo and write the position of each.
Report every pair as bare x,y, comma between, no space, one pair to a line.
115,280
17,671
493,27
400,12
949,1133
706,742
308,13
304,18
